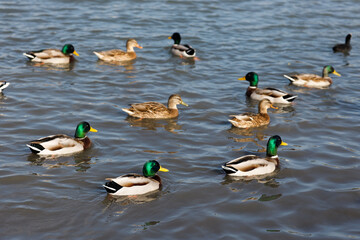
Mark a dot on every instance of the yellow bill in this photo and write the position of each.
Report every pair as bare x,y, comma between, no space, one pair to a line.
163,169
92,129
243,78
283,143
273,107
336,73
169,37
75,53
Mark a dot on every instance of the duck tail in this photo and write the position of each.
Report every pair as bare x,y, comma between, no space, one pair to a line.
229,170
29,55
112,187
35,147
98,55
232,122
289,97
4,85
128,111
290,78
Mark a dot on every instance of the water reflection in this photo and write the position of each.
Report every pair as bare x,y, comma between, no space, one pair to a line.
128,65
53,67
81,162
130,200
169,125
266,179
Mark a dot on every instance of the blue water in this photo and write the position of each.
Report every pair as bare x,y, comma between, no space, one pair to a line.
314,195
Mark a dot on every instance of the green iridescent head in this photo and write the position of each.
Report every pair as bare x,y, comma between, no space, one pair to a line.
273,144
176,37
329,69
251,77
82,129
69,49
151,167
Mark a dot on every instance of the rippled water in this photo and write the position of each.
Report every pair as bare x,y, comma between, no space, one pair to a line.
314,195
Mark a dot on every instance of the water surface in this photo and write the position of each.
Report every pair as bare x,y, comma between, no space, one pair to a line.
314,195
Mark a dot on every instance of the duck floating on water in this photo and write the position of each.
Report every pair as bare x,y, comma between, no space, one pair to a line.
53,56
117,55
155,109
344,47
313,80
273,94
61,144
136,184
182,50
248,120
252,165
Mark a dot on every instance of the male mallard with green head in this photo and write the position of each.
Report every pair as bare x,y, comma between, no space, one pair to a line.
136,184
61,144
53,56
273,94
252,165
313,80
181,50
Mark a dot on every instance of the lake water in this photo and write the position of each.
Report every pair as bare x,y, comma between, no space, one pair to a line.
314,195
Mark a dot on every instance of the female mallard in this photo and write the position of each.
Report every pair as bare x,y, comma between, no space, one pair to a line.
53,56
252,165
62,144
117,55
343,47
273,94
313,80
248,120
135,184
3,85
178,49
155,109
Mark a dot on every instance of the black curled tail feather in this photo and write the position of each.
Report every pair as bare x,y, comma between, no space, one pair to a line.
229,170
289,97
35,147
190,51
112,187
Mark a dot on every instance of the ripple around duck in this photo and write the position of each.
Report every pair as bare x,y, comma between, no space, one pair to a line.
315,189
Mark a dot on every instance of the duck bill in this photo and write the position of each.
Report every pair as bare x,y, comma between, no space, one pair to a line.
75,53
273,107
182,103
138,46
92,129
241,79
336,73
169,37
283,144
163,169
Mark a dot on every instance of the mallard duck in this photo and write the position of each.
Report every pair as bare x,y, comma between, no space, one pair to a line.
53,56
117,55
252,165
248,120
343,47
182,50
313,80
273,94
155,109
135,184
62,144
3,85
